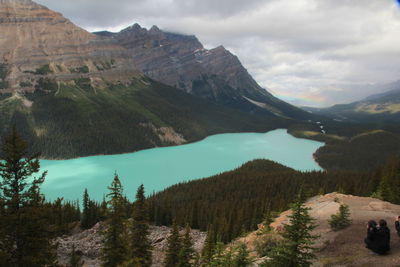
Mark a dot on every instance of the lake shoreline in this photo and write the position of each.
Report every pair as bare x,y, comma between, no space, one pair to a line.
173,145
159,168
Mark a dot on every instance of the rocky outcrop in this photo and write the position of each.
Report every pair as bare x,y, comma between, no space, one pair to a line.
89,243
182,61
36,42
345,247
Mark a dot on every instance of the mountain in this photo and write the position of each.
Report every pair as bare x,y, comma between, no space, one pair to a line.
72,93
375,108
216,74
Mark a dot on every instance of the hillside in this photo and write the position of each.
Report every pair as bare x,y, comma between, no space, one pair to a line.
350,145
72,93
235,201
344,247
80,120
216,74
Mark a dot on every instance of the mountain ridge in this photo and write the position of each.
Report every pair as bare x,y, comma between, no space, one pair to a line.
374,108
216,74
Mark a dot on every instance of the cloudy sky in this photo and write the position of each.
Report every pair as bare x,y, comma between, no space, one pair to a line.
308,52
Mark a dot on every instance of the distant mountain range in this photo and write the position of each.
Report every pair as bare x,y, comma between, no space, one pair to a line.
375,108
74,93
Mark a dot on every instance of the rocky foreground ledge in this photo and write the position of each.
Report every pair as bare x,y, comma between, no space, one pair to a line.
89,242
345,247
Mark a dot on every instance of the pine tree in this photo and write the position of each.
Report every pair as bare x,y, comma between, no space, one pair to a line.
85,221
237,256
209,245
25,237
140,244
340,220
241,256
296,250
114,251
384,190
174,248
219,257
186,254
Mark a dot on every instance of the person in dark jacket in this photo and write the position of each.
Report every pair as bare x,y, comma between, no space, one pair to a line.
370,240
383,238
397,225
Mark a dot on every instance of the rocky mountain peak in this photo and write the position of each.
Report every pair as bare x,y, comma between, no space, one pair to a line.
134,28
181,61
154,30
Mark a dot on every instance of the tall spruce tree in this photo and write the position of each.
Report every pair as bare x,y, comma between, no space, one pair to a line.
140,245
24,235
209,245
186,254
85,221
296,250
219,258
114,251
174,247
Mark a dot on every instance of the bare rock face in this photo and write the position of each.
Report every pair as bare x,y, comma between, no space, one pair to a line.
37,42
90,244
180,60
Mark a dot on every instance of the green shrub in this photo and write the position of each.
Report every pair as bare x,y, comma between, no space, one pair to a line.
43,70
341,219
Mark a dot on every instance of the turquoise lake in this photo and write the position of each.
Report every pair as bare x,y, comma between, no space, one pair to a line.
159,168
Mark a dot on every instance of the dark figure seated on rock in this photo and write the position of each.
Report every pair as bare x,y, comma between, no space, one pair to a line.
378,237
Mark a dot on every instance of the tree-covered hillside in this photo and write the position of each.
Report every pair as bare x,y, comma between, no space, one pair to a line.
64,121
351,146
234,202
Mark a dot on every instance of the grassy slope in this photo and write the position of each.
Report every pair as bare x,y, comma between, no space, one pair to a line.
70,121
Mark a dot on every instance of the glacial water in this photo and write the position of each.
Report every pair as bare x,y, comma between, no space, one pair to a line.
159,168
